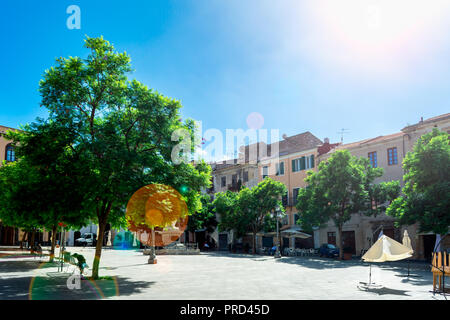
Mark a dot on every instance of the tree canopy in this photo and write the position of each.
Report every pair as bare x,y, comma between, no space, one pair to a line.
342,186
38,189
426,195
248,210
123,131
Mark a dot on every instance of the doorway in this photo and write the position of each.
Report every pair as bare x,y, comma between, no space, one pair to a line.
223,241
348,241
429,241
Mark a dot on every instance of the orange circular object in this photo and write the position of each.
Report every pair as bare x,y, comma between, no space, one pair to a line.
158,214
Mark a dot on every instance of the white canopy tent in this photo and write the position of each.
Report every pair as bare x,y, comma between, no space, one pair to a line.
386,249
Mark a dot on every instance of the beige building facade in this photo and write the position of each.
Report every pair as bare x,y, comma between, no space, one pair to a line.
385,152
296,156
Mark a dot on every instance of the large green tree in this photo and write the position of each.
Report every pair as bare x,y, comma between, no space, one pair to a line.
342,186
225,207
38,189
248,210
205,217
123,130
426,195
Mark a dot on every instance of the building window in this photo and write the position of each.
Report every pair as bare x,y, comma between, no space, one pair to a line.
298,164
10,154
265,171
295,218
280,169
295,165
224,181
392,156
331,237
373,159
245,176
303,163
311,160
234,180
294,196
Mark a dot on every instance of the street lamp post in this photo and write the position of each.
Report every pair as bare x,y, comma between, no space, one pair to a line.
277,252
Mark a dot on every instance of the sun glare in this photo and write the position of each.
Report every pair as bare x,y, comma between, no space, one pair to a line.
376,36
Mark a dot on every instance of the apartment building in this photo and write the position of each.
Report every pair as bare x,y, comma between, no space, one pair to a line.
385,152
232,175
296,156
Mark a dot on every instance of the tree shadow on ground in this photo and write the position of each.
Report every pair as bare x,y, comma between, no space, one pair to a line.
125,266
19,265
380,290
307,262
56,288
417,269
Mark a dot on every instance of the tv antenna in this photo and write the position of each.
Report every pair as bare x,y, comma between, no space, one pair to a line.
342,132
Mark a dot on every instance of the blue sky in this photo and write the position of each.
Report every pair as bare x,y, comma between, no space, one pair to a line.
371,67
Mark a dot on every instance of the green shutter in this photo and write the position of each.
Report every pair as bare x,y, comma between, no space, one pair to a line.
294,169
302,163
312,161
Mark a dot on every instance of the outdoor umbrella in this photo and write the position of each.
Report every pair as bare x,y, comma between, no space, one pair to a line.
386,249
407,243
437,245
295,233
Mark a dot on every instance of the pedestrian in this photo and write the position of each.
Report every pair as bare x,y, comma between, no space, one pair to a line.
273,250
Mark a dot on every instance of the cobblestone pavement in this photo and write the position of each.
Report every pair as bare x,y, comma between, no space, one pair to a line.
214,276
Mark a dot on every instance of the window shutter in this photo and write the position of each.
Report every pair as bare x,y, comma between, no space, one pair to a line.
294,169
302,163
312,161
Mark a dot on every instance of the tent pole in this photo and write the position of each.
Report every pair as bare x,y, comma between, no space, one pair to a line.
408,267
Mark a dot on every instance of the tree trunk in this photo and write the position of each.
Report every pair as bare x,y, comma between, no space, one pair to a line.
52,249
98,248
341,243
33,236
254,242
23,239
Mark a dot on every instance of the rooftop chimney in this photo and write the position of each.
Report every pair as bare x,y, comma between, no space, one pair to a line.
326,140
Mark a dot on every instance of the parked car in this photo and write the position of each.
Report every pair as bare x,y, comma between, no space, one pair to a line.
328,250
87,239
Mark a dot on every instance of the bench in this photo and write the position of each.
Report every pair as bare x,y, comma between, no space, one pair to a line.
440,268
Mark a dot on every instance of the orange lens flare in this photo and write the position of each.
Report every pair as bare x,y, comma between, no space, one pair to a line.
157,211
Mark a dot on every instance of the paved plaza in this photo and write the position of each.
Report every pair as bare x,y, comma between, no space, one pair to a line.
213,276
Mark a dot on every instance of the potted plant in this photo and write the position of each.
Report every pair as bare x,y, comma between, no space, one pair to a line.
348,251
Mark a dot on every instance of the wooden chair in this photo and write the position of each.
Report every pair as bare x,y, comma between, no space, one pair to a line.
440,268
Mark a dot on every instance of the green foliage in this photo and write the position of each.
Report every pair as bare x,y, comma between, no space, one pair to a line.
378,194
205,217
225,206
122,132
250,209
334,192
342,186
426,194
39,188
